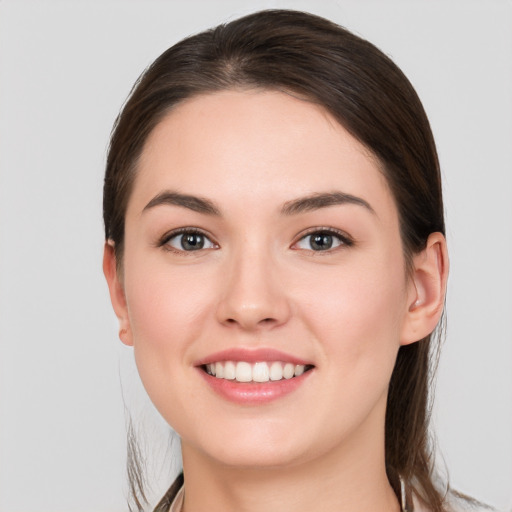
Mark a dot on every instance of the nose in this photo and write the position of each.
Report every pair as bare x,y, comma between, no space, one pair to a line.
253,295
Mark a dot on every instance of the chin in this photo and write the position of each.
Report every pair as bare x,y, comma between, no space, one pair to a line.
259,446
264,457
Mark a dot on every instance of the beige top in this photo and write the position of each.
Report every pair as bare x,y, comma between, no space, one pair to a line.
177,504
178,501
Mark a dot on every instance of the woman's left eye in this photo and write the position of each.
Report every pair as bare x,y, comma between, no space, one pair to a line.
322,241
189,241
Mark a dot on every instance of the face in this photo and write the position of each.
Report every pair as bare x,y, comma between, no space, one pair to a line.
262,245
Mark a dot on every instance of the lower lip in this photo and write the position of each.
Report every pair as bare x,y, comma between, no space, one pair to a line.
254,393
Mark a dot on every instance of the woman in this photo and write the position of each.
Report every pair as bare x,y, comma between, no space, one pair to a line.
276,256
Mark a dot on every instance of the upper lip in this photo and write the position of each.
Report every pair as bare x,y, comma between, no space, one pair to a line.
253,355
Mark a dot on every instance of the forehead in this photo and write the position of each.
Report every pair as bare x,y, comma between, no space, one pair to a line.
250,145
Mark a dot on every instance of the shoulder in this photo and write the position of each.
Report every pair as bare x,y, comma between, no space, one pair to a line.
177,503
454,503
173,498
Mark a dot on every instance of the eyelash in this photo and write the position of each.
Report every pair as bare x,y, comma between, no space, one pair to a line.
343,238
164,241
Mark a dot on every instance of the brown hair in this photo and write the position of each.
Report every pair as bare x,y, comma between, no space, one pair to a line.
369,95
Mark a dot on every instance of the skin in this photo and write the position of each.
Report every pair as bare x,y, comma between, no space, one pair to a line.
259,283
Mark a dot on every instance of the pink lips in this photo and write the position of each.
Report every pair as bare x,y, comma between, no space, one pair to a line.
252,393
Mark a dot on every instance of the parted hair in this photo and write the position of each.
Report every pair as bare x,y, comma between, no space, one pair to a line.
369,96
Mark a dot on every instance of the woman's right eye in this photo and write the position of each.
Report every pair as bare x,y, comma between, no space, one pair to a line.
188,241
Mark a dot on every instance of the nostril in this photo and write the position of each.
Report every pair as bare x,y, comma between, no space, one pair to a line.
262,321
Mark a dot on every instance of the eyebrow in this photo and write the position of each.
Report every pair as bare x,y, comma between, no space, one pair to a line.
197,204
323,200
294,207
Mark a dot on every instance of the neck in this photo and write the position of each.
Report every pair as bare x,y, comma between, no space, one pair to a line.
349,478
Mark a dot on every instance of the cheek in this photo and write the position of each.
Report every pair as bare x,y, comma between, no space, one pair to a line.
358,313
166,309
357,317
165,302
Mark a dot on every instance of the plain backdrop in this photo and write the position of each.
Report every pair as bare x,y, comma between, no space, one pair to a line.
65,69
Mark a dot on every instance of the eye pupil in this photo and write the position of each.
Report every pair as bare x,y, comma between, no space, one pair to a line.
192,241
321,242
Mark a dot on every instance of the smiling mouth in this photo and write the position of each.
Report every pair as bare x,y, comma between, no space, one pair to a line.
243,371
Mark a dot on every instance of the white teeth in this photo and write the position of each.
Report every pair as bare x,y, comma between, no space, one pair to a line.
288,370
229,370
260,372
242,371
276,371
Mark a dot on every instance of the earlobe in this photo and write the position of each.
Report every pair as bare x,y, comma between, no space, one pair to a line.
116,290
427,290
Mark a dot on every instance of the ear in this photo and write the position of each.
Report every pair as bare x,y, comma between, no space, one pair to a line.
427,290
116,289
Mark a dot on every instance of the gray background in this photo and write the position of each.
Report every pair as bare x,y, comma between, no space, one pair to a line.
66,68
